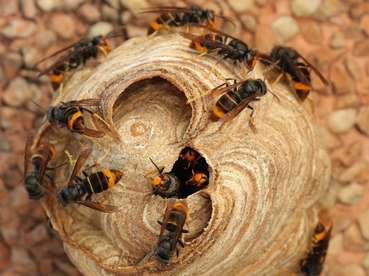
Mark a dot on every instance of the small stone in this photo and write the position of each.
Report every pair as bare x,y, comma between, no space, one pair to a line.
364,224
359,9
286,27
30,56
136,5
342,82
354,69
351,194
18,93
9,230
329,199
19,28
8,7
336,245
365,261
353,269
45,38
337,40
63,25
304,8
20,257
29,8
38,234
353,171
49,5
101,28
361,48
4,256
261,2
352,153
341,121
90,13
354,32
249,21
363,120
310,31
109,13
347,100
46,267
241,6
330,141
72,4
330,8
4,145
352,240
265,37
19,196
12,62
364,23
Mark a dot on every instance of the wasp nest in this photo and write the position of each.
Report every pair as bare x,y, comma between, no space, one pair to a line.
258,211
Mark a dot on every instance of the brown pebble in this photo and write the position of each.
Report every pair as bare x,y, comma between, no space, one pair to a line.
347,100
330,8
18,93
352,269
342,82
4,255
340,121
361,48
364,23
337,40
363,220
265,38
353,152
330,141
8,7
358,9
29,8
19,28
63,25
356,169
21,258
363,120
352,239
354,69
38,234
351,194
45,38
336,245
89,12
46,266
311,31
354,32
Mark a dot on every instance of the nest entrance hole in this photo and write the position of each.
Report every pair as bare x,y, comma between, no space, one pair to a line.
189,174
192,171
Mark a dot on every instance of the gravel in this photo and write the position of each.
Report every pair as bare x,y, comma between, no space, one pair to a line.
342,120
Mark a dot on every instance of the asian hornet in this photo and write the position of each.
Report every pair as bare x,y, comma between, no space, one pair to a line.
296,68
71,115
171,230
182,16
80,190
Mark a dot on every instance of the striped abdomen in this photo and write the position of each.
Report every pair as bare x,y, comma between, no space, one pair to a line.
301,85
226,103
101,181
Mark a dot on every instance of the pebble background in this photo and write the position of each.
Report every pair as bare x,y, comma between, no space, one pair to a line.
333,34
